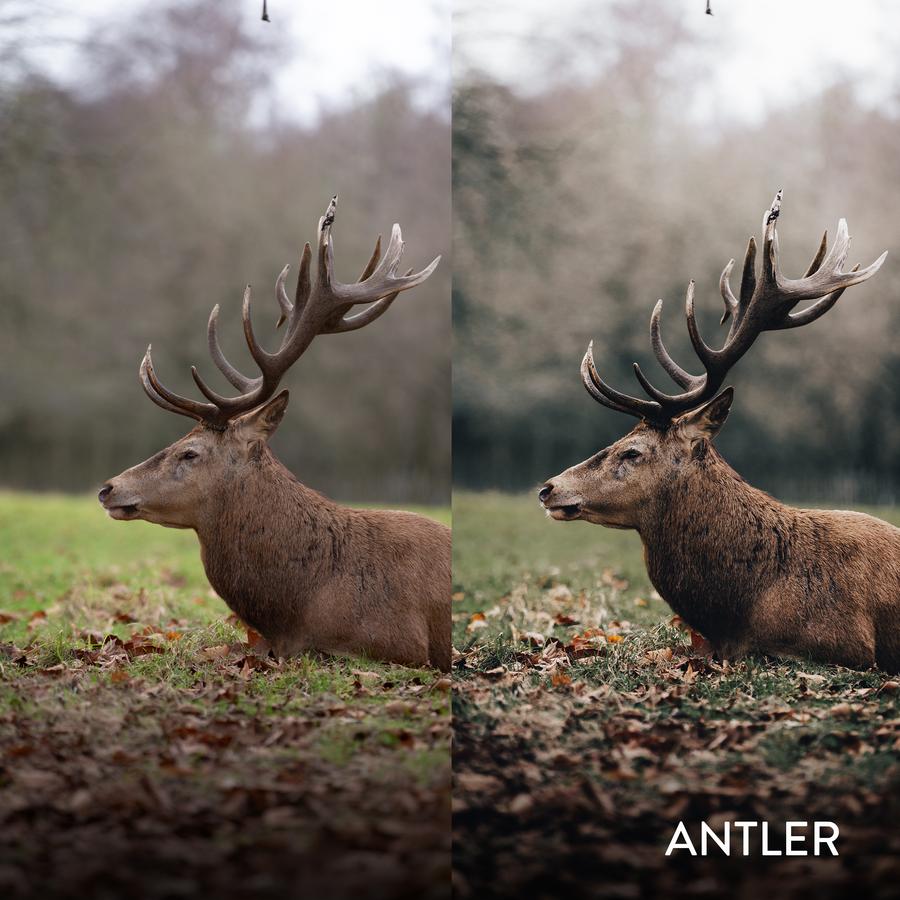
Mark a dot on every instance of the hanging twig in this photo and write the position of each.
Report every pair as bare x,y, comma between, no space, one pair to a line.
265,15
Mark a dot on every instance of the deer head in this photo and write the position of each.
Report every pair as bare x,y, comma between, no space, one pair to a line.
619,484
173,487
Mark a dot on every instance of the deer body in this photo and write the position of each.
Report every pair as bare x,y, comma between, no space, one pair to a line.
752,574
746,571
303,571
308,573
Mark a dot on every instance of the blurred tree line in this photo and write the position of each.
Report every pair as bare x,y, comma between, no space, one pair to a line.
576,206
157,184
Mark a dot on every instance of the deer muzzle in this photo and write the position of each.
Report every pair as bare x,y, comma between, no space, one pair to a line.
115,505
560,505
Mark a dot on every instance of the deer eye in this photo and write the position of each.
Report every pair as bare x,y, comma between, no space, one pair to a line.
189,454
630,454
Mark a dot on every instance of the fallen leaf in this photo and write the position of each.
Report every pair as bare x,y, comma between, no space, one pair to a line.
256,641
398,708
521,803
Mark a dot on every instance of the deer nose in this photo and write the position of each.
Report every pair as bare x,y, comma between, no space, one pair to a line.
105,491
545,492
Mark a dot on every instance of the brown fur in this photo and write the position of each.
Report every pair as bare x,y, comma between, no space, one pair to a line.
746,571
305,572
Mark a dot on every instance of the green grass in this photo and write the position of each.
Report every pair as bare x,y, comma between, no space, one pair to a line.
72,568
568,658
104,623
499,540
50,541
503,540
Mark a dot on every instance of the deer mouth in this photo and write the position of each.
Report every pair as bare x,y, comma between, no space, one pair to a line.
124,512
565,512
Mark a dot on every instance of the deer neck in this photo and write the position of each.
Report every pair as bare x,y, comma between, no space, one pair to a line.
713,543
268,542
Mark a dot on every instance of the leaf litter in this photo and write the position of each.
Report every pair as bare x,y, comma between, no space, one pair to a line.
581,739
142,755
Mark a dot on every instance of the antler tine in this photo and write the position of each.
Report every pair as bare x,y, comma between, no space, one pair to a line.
770,238
678,375
820,255
778,295
765,304
609,396
319,307
691,383
731,302
333,324
377,309
301,295
748,275
736,308
169,400
819,308
265,360
703,351
380,282
235,378
281,296
372,264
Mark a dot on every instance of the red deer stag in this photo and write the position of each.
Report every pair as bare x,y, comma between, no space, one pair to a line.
303,571
746,571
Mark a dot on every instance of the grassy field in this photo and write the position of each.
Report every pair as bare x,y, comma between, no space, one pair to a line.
147,750
587,724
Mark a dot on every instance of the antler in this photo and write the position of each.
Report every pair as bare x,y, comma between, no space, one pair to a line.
319,307
764,304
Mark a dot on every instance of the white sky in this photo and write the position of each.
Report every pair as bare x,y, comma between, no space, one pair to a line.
340,46
761,52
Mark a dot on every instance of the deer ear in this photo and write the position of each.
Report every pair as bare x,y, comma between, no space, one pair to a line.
261,423
706,421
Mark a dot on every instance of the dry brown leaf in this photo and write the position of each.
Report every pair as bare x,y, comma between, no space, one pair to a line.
478,783
521,803
256,640
399,708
